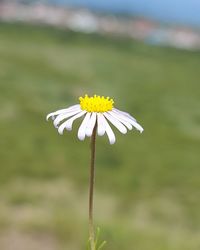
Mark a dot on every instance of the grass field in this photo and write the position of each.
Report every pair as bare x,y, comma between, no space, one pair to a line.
147,186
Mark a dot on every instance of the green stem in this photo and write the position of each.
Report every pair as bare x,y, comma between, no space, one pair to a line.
91,189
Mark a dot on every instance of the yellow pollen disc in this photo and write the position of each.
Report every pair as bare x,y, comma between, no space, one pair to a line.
96,103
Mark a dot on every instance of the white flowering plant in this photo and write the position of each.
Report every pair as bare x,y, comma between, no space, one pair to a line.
97,112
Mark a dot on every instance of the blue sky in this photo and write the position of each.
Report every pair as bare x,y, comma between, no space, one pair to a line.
181,11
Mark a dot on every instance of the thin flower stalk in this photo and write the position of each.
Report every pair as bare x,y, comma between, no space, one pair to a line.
91,189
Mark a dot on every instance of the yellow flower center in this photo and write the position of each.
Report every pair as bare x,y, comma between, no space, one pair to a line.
96,103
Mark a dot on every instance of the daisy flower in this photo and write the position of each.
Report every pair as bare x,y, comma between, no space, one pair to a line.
96,110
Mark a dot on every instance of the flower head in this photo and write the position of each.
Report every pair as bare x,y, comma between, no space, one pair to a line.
96,110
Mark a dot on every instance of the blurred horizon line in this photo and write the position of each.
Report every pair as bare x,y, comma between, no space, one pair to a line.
174,12
179,12
86,21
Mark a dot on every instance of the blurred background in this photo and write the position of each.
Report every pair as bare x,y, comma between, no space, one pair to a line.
144,54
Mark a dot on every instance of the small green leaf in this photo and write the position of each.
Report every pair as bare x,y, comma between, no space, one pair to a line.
102,245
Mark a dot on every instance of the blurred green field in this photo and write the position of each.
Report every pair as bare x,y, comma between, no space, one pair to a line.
147,186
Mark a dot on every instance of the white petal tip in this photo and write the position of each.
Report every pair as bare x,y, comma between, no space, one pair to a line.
81,138
60,131
101,133
112,142
124,132
47,117
50,115
141,130
138,127
55,125
88,134
68,129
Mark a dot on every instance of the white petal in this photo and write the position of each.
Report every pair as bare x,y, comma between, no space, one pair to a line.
138,127
82,128
66,115
61,111
124,113
101,129
68,124
131,121
109,132
119,117
91,124
116,123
